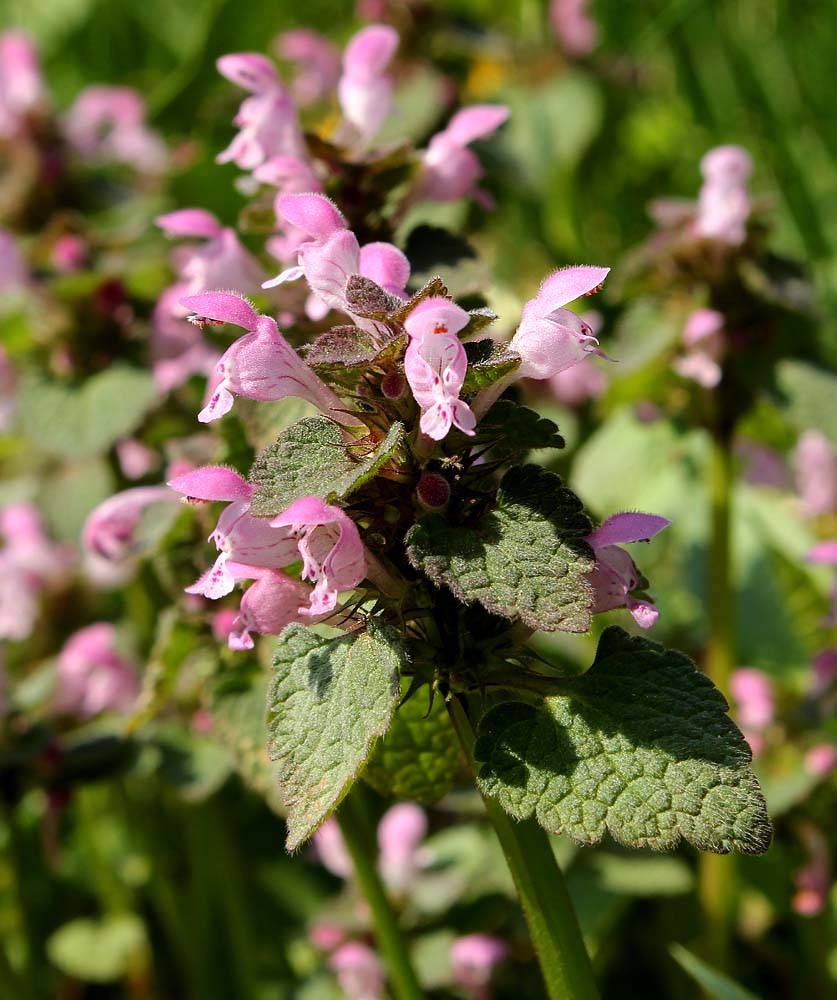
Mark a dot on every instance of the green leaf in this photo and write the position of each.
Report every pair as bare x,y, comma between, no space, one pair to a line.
480,319
714,984
511,431
432,288
640,746
311,458
330,699
488,362
419,758
98,951
525,559
349,347
84,422
809,393
367,299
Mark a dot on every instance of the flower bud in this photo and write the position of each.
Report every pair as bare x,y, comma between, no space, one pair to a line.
433,491
394,385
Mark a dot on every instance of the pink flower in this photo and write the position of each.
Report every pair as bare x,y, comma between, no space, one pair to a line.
21,85
318,64
400,832
816,473
724,200
332,851
359,971
110,529
260,365
813,882
108,123
449,169
92,677
576,31
474,958
223,623
326,936
135,459
14,271
270,604
8,387
267,121
364,91
705,346
825,671
178,349
821,759
331,550
615,576
753,694
288,175
238,537
435,364
69,253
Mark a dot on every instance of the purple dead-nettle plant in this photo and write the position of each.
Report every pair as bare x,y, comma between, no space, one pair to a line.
397,544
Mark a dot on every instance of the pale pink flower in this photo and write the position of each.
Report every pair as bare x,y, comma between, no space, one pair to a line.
435,364
724,200
8,390
576,31
260,365
267,606
752,691
364,90
331,849
325,936
288,175
813,881
110,531
703,338
69,253
331,550
575,386
91,676
317,61
449,169
815,460
135,458
615,576
359,972
108,124
400,833
223,623
14,271
474,957
21,85
178,348
821,759
267,120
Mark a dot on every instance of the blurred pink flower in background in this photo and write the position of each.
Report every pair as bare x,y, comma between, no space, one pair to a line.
755,704
813,881
815,462
317,60
135,458
575,29
724,199
14,271
8,389
91,675
359,971
364,89
474,958
584,381
108,124
704,341
110,531
21,85
821,759
69,253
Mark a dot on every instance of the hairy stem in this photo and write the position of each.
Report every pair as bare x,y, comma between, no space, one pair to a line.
359,836
549,912
717,872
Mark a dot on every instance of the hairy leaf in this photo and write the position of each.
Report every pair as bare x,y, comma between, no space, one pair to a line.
367,299
640,746
488,362
432,288
350,348
330,699
311,458
480,319
510,431
526,559
419,757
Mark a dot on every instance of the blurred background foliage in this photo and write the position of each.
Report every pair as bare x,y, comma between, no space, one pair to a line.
176,860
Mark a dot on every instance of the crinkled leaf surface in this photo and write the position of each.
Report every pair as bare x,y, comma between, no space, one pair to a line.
311,458
640,746
83,422
488,362
350,348
330,699
419,758
525,559
366,298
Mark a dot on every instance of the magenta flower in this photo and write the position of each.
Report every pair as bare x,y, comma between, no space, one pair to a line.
615,576
331,550
21,85
317,61
435,364
400,833
267,120
260,365
238,537
576,31
705,344
724,200
815,460
449,169
474,957
110,529
91,676
364,90
108,123
267,606
359,971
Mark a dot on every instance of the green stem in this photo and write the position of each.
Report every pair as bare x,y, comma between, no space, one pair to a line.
717,872
549,911
359,836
